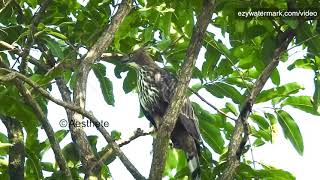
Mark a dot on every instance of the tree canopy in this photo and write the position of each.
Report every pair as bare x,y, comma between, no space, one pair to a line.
46,43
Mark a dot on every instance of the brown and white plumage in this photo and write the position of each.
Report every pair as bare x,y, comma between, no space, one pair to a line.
155,89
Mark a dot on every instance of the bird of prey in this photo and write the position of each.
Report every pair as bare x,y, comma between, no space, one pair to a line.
155,88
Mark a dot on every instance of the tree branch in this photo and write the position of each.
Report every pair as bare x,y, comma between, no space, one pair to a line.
81,111
240,133
19,52
170,117
138,133
34,22
211,105
16,151
79,96
5,6
42,118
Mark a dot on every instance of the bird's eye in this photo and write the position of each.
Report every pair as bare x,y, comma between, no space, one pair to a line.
130,55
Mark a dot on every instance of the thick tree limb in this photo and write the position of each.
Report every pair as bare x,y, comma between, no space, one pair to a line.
41,117
239,136
170,117
16,151
79,96
79,110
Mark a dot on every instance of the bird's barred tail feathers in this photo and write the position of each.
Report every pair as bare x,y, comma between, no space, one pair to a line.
194,166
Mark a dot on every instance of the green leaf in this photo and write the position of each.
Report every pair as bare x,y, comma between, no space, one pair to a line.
13,106
273,125
47,166
273,174
172,161
258,142
301,63
249,60
293,23
212,56
3,139
71,154
165,24
206,163
128,23
209,128
255,30
105,83
130,82
33,164
303,103
148,34
164,44
221,90
238,82
105,172
232,108
266,134
268,47
291,130
212,136
195,88
216,119
116,135
275,77
224,69
57,35
281,91
219,46
260,121
54,47
59,135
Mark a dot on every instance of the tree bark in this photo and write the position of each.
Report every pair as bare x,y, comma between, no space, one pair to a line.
240,133
16,151
162,140
79,96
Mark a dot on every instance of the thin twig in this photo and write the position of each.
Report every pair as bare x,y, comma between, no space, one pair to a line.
138,133
173,44
32,27
304,41
251,152
19,52
5,6
215,108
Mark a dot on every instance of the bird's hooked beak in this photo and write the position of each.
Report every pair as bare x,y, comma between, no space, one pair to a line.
125,59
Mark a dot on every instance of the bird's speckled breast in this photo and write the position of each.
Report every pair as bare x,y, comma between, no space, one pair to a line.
147,90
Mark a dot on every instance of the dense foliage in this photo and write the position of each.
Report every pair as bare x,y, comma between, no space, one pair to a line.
68,28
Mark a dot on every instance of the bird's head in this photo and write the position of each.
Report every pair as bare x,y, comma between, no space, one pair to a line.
138,59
